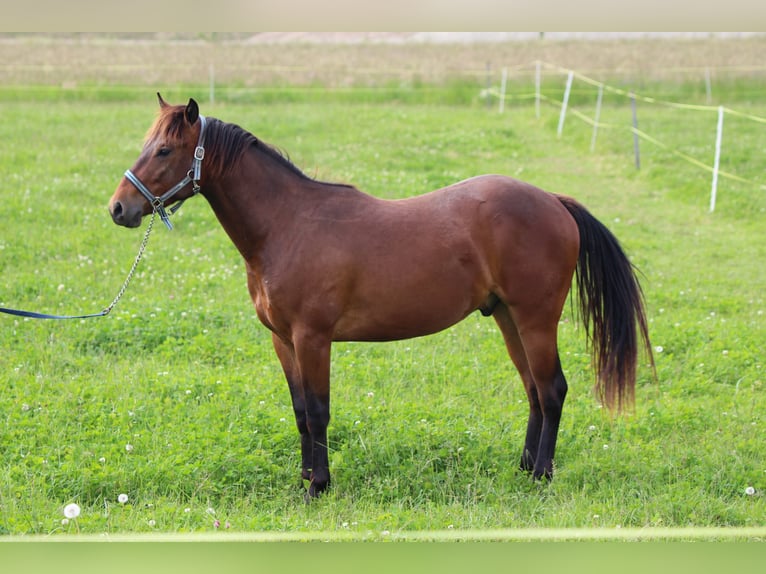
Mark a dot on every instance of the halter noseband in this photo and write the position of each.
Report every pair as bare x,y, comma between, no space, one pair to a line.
192,176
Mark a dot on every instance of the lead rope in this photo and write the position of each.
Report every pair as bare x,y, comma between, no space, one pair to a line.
108,308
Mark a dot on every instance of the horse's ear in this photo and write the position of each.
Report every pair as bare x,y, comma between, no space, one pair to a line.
192,111
163,103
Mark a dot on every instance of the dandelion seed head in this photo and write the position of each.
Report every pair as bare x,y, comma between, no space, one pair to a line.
750,491
72,510
122,498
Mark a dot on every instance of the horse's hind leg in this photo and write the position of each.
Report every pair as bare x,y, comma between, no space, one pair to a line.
519,358
534,352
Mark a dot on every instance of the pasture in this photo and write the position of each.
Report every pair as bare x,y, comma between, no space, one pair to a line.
177,400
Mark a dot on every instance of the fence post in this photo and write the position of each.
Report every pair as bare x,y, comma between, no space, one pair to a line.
537,89
635,130
718,137
489,85
503,81
563,113
596,118
212,83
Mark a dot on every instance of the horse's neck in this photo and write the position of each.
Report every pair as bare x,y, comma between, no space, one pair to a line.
254,202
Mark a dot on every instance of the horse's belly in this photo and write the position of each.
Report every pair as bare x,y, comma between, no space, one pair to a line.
403,315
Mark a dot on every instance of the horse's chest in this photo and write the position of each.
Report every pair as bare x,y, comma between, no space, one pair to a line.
265,298
263,305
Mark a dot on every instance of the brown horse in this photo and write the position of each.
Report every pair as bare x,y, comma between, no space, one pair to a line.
326,262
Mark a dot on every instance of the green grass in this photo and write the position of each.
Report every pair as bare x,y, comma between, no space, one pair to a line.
426,433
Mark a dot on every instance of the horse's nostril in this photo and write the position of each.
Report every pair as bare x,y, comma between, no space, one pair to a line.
116,210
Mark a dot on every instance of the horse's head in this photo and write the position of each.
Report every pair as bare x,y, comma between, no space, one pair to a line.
168,169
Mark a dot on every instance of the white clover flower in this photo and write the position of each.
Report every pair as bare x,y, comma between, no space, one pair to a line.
129,447
122,498
72,510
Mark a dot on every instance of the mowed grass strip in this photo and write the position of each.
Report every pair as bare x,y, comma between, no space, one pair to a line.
177,400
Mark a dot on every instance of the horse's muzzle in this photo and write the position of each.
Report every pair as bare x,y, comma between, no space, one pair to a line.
124,216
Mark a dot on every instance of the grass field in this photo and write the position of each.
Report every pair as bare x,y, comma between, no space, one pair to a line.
177,401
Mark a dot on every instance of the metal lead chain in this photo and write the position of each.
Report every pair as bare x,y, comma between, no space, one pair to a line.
141,249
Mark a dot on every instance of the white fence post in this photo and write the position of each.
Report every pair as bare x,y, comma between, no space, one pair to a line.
596,118
563,113
718,137
636,151
503,81
212,83
537,89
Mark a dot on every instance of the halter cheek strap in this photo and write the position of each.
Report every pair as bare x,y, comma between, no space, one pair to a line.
192,176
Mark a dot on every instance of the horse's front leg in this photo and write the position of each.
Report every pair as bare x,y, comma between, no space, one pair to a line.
312,352
286,354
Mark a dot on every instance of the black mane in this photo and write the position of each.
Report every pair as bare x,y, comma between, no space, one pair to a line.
230,142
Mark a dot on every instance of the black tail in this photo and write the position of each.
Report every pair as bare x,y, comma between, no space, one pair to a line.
611,301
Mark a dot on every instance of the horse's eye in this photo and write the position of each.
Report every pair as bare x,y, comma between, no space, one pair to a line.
163,151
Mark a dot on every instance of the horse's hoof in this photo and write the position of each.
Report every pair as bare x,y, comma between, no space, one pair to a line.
543,475
317,487
526,465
